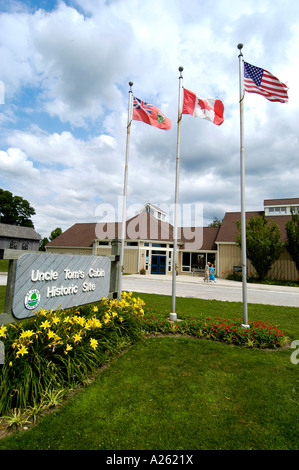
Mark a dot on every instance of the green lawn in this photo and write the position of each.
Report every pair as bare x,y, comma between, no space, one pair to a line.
180,393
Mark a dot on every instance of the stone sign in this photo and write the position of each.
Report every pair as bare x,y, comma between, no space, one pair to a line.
52,281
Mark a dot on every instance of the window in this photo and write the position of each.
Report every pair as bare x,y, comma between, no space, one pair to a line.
25,245
13,245
186,262
277,210
132,243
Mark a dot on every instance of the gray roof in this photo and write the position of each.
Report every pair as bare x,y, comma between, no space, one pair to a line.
17,231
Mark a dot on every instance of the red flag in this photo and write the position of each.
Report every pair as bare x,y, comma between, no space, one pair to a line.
149,114
257,80
208,108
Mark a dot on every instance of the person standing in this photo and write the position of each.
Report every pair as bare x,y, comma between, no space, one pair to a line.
207,272
212,274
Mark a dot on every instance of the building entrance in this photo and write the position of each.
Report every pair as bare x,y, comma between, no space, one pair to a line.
158,264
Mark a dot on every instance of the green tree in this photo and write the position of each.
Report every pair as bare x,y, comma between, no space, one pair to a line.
216,222
15,210
263,244
43,243
292,243
55,233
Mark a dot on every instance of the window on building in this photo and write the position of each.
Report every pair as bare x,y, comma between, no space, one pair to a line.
25,245
277,210
13,245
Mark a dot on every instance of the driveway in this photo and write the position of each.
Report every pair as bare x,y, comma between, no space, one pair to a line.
223,289
195,287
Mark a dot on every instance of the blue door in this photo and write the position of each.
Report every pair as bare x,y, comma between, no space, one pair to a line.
158,264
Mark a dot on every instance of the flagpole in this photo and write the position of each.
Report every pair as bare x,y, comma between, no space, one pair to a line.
243,213
173,315
124,208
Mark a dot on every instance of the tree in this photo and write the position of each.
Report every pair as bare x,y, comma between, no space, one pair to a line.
43,243
15,210
263,244
55,233
216,222
292,243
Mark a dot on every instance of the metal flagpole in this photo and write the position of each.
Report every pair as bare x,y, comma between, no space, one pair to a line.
243,213
173,315
124,209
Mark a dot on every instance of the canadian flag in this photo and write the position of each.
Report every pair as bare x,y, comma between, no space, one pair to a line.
209,109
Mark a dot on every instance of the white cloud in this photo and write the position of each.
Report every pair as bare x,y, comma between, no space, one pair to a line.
66,83
14,162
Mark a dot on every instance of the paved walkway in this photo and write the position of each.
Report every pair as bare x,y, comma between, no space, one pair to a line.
222,289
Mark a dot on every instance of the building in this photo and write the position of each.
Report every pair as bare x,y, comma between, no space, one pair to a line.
149,242
16,237
229,254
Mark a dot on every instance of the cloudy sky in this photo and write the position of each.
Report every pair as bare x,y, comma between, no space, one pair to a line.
65,68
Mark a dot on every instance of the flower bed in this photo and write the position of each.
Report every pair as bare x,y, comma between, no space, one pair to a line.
55,351
260,334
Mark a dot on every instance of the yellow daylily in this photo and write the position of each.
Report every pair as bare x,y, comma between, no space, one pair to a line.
27,334
77,337
93,343
68,348
3,330
23,350
45,324
51,334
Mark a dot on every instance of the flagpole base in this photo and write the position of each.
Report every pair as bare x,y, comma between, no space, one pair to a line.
245,326
173,317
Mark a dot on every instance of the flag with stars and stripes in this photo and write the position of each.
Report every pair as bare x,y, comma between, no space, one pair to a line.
258,80
150,114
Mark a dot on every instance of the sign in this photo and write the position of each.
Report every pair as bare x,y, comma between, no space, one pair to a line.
51,281
237,269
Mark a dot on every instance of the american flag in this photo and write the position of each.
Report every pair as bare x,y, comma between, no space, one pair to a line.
258,80
137,104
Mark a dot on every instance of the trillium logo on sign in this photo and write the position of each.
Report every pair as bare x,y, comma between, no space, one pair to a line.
32,299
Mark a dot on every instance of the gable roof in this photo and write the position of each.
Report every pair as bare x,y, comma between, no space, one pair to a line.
141,227
78,235
205,236
229,231
18,231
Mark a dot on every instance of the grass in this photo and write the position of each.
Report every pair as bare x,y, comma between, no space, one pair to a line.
180,393
2,298
177,394
4,265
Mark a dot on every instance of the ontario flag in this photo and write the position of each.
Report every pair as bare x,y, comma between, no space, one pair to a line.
150,114
205,108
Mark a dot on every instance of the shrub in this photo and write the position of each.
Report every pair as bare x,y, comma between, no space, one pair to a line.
55,350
